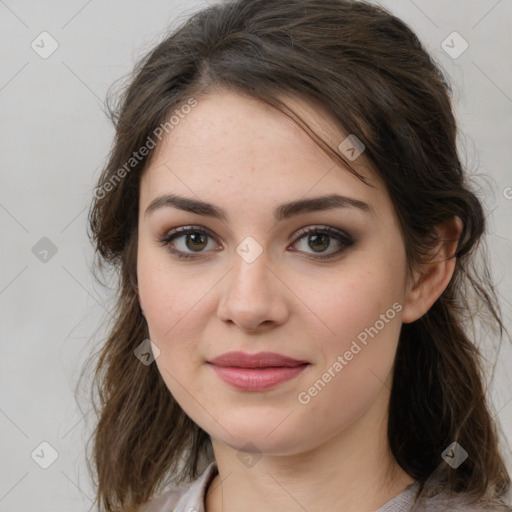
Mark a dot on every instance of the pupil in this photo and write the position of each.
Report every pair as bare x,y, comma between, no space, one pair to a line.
317,237
318,242
196,238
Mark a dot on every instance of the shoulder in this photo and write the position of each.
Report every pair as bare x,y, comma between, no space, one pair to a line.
185,497
165,502
448,502
455,504
462,504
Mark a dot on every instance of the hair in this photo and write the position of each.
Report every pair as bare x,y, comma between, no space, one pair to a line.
370,71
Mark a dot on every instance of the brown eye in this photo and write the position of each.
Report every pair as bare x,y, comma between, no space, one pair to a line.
190,242
196,241
319,239
319,242
184,241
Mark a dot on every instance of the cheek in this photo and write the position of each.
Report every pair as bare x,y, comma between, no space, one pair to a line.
362,309
357,359
165,294
356,298
177,306
168,304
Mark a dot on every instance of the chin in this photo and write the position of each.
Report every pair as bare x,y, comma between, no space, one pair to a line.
262,438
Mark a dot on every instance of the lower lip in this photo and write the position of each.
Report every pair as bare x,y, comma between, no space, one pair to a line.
256,379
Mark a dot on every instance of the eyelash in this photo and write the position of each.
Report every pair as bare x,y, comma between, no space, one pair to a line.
343,238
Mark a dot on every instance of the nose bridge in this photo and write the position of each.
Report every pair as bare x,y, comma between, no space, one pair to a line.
251,266
251,295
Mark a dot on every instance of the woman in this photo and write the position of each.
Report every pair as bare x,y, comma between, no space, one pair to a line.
294,236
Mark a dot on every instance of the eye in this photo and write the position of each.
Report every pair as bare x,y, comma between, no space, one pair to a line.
195,239
319,239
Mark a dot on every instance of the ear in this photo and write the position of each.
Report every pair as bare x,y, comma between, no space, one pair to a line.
432,278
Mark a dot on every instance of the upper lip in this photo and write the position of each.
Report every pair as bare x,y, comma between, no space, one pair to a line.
260,360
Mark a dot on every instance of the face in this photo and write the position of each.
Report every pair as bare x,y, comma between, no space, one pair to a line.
321,285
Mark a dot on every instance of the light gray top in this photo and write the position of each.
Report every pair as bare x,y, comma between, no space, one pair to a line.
190,498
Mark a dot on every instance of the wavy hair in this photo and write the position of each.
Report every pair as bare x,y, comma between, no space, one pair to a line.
373,75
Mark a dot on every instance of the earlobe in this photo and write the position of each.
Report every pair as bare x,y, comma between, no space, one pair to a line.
433,277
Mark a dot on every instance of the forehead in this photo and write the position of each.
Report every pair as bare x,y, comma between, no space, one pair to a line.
237,147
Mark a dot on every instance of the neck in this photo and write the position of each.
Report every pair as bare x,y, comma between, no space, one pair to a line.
354,471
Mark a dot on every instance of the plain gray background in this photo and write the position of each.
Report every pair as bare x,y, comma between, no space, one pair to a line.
55,138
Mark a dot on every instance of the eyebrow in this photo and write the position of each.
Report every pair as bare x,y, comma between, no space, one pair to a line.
281,212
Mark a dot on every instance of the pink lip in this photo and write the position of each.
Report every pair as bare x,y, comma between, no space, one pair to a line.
256,372
259,360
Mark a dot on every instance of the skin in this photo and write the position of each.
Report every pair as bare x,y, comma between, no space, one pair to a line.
246,157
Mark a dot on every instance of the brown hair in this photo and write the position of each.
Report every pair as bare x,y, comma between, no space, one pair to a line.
374,76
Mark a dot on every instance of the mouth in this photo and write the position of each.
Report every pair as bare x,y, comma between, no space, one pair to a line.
259,360
256,372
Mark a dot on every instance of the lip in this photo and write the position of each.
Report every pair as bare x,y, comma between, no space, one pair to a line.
259,360
256,372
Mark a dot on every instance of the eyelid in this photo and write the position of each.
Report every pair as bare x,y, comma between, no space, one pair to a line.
339,235
187,229
335,232
170,235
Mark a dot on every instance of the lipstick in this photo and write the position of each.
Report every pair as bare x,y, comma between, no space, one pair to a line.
256,372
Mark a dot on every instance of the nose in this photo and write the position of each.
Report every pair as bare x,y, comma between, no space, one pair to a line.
253,297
